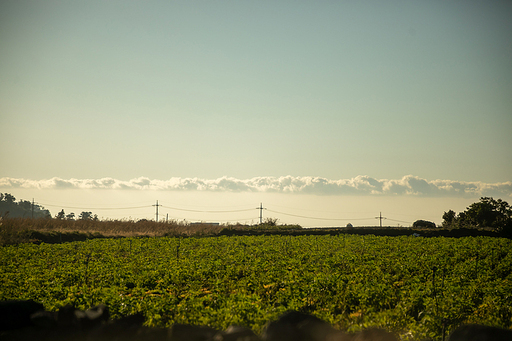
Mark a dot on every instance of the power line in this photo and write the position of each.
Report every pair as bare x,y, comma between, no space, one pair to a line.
261,208
247,219
239,220
203,211
96,208
320,211
219,207
318,218
400,221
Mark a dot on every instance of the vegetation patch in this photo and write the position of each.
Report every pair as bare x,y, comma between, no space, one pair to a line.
412,286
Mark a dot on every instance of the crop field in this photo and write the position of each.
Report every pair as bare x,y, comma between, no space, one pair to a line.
412,286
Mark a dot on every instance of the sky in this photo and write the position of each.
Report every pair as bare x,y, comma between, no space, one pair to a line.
330,110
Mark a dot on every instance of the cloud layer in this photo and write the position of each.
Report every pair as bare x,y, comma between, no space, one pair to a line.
360,185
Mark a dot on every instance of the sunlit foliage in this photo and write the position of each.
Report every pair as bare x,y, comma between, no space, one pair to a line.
410,285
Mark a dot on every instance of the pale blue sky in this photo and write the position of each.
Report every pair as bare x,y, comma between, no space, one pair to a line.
334,89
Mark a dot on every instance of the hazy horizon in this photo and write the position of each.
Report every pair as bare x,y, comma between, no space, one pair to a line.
307,201
399,107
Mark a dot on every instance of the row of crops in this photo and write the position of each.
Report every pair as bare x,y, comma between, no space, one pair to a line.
413,286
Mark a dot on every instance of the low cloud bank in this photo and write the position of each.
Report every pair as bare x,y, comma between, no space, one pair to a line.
360,185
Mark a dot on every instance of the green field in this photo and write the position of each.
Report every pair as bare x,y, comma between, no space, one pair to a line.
404,284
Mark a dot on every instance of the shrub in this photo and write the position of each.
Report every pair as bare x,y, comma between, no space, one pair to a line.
423,224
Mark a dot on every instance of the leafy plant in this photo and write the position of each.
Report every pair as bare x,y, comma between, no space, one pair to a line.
413,286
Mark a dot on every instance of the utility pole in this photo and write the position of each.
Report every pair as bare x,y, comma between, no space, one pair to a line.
380,217
261,212
32,208
157,210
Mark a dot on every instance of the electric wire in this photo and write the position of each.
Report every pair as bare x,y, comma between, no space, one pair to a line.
218,211
321,211
318,218
203,211
400,221
238,220
210,206
97,208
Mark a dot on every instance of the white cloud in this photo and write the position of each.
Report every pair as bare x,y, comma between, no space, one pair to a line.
360,185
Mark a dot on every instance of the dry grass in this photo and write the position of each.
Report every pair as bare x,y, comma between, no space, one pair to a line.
18,230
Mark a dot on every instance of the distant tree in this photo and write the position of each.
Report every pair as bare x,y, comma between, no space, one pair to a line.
461,220
85,216
70,216
423,224
449,218
61,215
25,209
25,205
8,198
270,221
349,225
488,212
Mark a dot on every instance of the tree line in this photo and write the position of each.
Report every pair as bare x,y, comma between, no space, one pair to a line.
71,216
9,208
486,213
